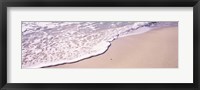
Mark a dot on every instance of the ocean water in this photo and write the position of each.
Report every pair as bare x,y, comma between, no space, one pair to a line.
57,42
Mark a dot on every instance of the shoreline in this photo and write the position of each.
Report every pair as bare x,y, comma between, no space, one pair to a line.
110,58
79,60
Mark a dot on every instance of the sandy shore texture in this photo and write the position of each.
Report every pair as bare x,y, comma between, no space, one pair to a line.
154,49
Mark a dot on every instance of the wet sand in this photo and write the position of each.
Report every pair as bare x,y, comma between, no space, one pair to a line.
154,49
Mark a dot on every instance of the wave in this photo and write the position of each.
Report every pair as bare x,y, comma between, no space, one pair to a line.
51,43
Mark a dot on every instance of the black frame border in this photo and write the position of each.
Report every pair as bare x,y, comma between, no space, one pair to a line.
100,3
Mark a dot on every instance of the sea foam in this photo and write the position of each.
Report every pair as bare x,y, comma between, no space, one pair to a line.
51,43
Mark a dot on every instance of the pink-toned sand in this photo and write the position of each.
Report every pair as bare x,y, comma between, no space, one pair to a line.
154,49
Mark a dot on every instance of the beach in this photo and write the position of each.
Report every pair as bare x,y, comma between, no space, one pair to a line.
154,49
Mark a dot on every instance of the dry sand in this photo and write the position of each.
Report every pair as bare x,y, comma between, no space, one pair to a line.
154,49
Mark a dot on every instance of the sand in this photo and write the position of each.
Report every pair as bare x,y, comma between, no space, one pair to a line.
154,49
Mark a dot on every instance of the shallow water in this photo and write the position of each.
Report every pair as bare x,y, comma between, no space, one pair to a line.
51,43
